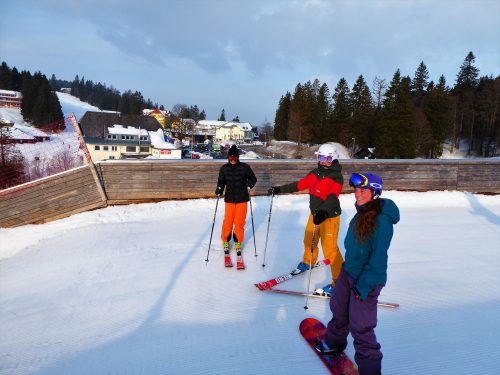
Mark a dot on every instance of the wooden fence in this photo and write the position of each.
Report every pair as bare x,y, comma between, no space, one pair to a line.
125,182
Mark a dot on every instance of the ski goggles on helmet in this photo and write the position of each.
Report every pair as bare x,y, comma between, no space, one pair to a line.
358,180
325,158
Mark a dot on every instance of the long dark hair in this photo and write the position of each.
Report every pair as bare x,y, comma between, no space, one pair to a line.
367,219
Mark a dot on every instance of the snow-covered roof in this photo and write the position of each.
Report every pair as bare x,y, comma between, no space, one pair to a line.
15,94
158,141
211,123
127,130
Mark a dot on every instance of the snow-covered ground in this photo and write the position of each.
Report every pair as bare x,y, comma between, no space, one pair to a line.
126,290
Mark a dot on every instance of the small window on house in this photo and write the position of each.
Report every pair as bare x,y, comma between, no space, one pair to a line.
97,148
130,148
109,136
113,148
105,148
144,149
111,157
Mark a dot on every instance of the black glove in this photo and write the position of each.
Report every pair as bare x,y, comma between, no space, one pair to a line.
319,217
357,295
275,190
218,191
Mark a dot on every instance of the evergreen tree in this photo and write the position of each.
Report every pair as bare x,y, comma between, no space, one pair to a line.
5,77
281,118
323,109
484,135
203,116
222,116
340,125
467,77
396,136
236,119
301,118
362,114
439,114
464,90
420,83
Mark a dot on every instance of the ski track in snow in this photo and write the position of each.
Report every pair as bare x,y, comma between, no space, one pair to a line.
126,290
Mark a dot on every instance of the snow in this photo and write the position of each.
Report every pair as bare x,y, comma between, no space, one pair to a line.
126,290
126,130
158,140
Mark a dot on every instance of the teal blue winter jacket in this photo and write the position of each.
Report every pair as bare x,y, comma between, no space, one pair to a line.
366,262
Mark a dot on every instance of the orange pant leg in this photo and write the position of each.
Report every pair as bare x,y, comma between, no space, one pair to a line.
308,241
240,219
227,224
329,237
328,232
235,216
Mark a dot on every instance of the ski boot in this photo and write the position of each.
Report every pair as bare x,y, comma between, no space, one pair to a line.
326,291
227,257
301,267
240,265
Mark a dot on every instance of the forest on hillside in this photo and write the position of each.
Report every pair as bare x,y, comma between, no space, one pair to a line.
404,118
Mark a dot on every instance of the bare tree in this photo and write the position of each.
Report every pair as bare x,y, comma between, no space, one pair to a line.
378,90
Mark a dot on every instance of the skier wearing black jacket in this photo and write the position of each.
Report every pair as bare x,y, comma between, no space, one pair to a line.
237,179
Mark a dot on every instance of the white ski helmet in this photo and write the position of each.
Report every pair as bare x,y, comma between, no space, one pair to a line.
328,149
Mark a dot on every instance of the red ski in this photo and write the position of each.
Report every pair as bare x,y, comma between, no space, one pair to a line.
266,285
305,294
340,364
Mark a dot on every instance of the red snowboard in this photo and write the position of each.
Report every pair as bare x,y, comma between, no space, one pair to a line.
311,329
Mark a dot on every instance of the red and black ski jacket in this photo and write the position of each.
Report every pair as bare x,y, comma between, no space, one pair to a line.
324,184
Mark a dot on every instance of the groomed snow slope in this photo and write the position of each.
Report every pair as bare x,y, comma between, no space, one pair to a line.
126,290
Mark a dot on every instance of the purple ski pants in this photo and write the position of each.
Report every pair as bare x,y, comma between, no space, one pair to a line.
359,318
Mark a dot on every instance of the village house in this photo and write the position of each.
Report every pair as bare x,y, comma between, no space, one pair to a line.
224,131
10,99
116,136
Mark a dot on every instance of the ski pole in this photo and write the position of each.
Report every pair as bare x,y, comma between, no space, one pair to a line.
212,232
267,233
253,227
310,265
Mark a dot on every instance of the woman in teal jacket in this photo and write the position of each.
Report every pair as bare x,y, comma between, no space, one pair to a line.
363,275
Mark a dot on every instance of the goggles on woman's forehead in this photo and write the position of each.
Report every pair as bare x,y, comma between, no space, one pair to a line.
325,158
358,180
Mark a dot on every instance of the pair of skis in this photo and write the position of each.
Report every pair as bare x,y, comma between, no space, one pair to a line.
268,286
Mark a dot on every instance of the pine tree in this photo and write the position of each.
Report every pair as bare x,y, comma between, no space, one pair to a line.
420,83
323,109
203,115
340,125
467,77
222,116
281,118
362,114
464,90
396,136
439,114
5,77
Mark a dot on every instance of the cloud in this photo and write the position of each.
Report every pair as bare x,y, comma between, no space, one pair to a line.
263,36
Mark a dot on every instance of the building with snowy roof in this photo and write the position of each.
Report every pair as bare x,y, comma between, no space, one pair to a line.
116,136
10,99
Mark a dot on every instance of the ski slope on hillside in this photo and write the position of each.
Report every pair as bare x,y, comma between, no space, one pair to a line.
126,290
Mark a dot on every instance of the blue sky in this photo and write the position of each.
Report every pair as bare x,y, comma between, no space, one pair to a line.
244,55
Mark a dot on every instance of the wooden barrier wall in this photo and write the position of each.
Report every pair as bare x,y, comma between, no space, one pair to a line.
124,182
